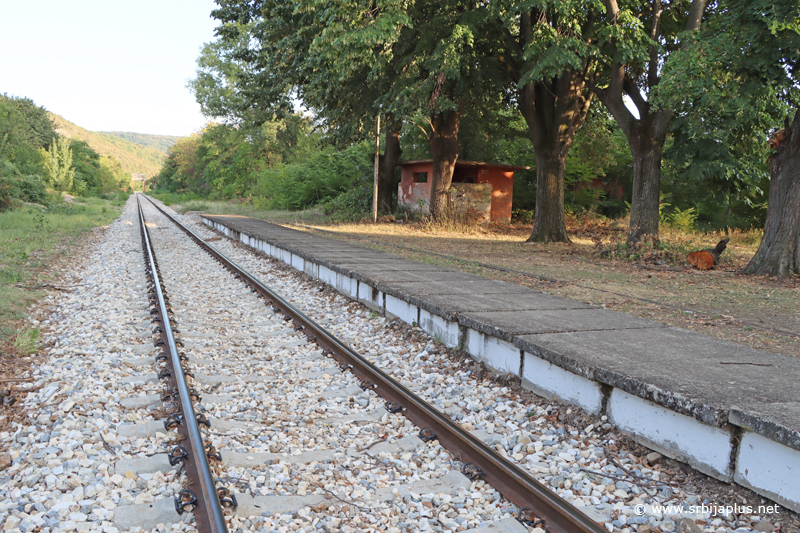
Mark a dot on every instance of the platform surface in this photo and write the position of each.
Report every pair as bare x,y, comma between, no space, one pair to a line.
712,380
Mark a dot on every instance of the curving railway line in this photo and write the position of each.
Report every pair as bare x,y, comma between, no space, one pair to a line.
339,398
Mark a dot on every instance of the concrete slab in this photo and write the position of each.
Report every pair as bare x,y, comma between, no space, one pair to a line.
708,450
451,305
141,379
246,460
770,469
684,371
143,465
506,525
447,484
141,430
507,325
140,402
274,505
547,380
772,420
479,286
371,275
148,515
674,390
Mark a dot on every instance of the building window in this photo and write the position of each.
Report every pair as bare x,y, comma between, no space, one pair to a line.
420,177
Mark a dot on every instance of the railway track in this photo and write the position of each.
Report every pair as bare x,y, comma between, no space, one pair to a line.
296,412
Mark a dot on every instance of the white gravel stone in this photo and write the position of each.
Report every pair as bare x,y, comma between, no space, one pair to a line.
267,391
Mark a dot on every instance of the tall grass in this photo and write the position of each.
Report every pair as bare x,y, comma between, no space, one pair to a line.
31,240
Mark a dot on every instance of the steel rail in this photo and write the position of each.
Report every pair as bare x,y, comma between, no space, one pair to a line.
509,479
209,516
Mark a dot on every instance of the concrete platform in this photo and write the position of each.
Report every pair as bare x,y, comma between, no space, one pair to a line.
730,411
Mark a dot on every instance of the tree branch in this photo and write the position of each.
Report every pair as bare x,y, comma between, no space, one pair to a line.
695,15
652,74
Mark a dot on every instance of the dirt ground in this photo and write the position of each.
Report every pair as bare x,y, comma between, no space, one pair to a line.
758,312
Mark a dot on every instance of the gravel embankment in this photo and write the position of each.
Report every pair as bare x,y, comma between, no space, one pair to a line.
310,431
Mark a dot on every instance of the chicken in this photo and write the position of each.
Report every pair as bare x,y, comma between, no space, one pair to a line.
707,259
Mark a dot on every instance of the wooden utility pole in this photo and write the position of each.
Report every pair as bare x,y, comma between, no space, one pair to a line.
375,173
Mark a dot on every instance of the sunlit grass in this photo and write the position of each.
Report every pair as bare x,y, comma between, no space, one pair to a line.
31,240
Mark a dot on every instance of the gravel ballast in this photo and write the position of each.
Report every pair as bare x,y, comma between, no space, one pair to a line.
288,423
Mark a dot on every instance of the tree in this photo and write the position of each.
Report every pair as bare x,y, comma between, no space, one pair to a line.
547,59
767,50
779,251
264,53
642,37
58,164
424,58
732,83
38,128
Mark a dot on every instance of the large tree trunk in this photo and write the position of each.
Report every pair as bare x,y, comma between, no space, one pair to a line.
779,251
646,151
549,224
646,133
444,150
388,163
553,112
646,136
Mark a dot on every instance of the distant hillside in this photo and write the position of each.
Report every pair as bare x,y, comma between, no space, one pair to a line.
162,143
134,158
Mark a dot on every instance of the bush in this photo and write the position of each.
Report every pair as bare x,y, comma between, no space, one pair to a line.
321,178
16,188
353,204
682,219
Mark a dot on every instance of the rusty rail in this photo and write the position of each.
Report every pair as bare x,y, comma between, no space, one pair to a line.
202,494
510,480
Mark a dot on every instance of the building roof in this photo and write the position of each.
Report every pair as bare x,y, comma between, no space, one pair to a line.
468,164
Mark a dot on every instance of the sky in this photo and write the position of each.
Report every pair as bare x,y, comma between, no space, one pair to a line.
107,65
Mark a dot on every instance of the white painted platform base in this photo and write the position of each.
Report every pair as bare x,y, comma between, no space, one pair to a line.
548,380
397,308
497,354
439,328
770,469
704,447
765,466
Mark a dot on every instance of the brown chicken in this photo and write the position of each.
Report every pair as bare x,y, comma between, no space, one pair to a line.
707,259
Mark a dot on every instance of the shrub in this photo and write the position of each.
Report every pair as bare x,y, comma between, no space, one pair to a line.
321,178
682,219
16,187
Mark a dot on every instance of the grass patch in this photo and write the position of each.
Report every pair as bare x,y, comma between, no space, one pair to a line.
26,341
32,241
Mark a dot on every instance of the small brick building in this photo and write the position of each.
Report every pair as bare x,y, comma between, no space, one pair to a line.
481,190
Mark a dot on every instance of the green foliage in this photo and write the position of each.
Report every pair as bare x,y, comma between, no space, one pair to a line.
29,124
319,179
162,143
26,340
133,158
58,165
682,219
731,84
347,62
28,162
28,239
226,161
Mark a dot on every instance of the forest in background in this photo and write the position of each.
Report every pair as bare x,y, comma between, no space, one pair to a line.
135,152
692,107
37,163
161,143
43,155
